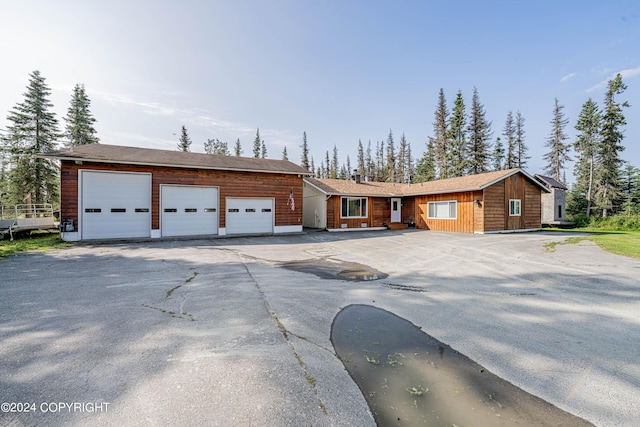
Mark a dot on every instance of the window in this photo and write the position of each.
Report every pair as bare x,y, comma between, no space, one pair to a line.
209,209
514,207
191,210
443,210
118,210
352,207
559,211
170,210
142,210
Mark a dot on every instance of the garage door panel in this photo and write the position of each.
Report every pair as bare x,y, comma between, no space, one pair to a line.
115,205
249,216
189,210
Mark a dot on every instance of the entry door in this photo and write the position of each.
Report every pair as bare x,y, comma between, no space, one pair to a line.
396,214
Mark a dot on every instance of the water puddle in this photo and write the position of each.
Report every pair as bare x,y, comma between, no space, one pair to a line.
409,378
336,269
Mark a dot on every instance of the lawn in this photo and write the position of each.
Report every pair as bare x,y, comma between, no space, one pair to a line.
625,243
38,240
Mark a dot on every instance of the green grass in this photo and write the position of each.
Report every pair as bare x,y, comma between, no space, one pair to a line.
38,240
625,243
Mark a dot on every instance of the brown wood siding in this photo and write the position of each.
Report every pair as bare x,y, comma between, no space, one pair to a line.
464,222
230,183
381,211
493,207
532,206
514,189
334,213
408,210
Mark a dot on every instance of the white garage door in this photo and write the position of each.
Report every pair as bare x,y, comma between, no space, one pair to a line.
115,205
188,210
249,216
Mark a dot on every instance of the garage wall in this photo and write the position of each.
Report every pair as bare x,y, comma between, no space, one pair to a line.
231,184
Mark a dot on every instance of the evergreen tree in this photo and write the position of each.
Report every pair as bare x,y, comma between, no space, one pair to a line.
327,168
215,146
304,160
33,130
628,189
479,135
381,172
369,164
520,145
237,149
184,143
558,153
313,167
426,166
79,119
263,150
457,138
284,154
498,155
390,167
257,145
348,168
442,152
402,160
509,133
409,169
362,169
611,137
586,147
333,172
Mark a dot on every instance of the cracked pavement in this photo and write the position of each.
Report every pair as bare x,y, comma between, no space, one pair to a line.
218,332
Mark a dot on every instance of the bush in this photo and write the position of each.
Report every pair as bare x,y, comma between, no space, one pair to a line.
613,223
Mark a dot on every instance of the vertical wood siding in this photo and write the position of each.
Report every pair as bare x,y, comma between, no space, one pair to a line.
230,183
533,206
464,223
493,206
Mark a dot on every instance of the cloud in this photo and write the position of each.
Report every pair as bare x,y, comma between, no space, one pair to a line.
626,74
567,77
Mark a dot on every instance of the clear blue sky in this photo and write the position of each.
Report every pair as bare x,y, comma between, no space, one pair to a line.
339,70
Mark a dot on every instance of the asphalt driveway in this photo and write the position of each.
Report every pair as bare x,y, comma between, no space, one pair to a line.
221,332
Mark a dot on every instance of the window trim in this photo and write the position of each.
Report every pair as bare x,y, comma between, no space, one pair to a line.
449,202
347,199
512,204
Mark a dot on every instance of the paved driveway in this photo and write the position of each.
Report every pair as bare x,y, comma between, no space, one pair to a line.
218,332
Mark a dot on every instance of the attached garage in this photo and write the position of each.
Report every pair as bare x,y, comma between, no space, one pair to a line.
115,204
249,215
188,210
114,191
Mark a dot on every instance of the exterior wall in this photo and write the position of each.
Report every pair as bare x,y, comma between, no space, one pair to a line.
408,210
514,189
230,183
550,203
465,221
314,214
335,221
532,206
493,206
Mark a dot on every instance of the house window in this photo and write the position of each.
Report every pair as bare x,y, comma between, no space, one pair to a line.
559,211
443,210
514,207
352,207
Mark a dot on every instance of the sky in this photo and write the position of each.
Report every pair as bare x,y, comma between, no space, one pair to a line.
339,70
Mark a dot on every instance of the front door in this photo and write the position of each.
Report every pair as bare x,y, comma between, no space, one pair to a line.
396,215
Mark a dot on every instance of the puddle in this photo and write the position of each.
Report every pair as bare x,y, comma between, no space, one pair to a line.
336,269
407,288
409,378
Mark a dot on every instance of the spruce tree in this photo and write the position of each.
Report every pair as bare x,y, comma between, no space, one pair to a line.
333,170
586,146
611,137
509,133
361,162
426,166
369,164
440,137
184,143
558,153
33,129
457,138
327,166
479,136
402,160
498,155
263,150
237,148
628,189
521,147
79,119
284,154
304,160
256,145
390,166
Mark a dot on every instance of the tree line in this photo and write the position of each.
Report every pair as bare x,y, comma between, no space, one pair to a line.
461,144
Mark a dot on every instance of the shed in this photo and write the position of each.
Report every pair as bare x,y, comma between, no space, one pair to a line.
553,203
111,191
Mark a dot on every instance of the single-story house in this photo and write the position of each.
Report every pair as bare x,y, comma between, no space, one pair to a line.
110,191
554,202
508,200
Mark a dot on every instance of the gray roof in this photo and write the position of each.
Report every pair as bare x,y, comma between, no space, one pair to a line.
119,154
550,182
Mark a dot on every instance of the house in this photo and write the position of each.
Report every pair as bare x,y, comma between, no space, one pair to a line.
110,191
554,202
508,200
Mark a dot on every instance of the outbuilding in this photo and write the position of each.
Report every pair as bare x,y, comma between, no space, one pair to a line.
508,200
112,192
